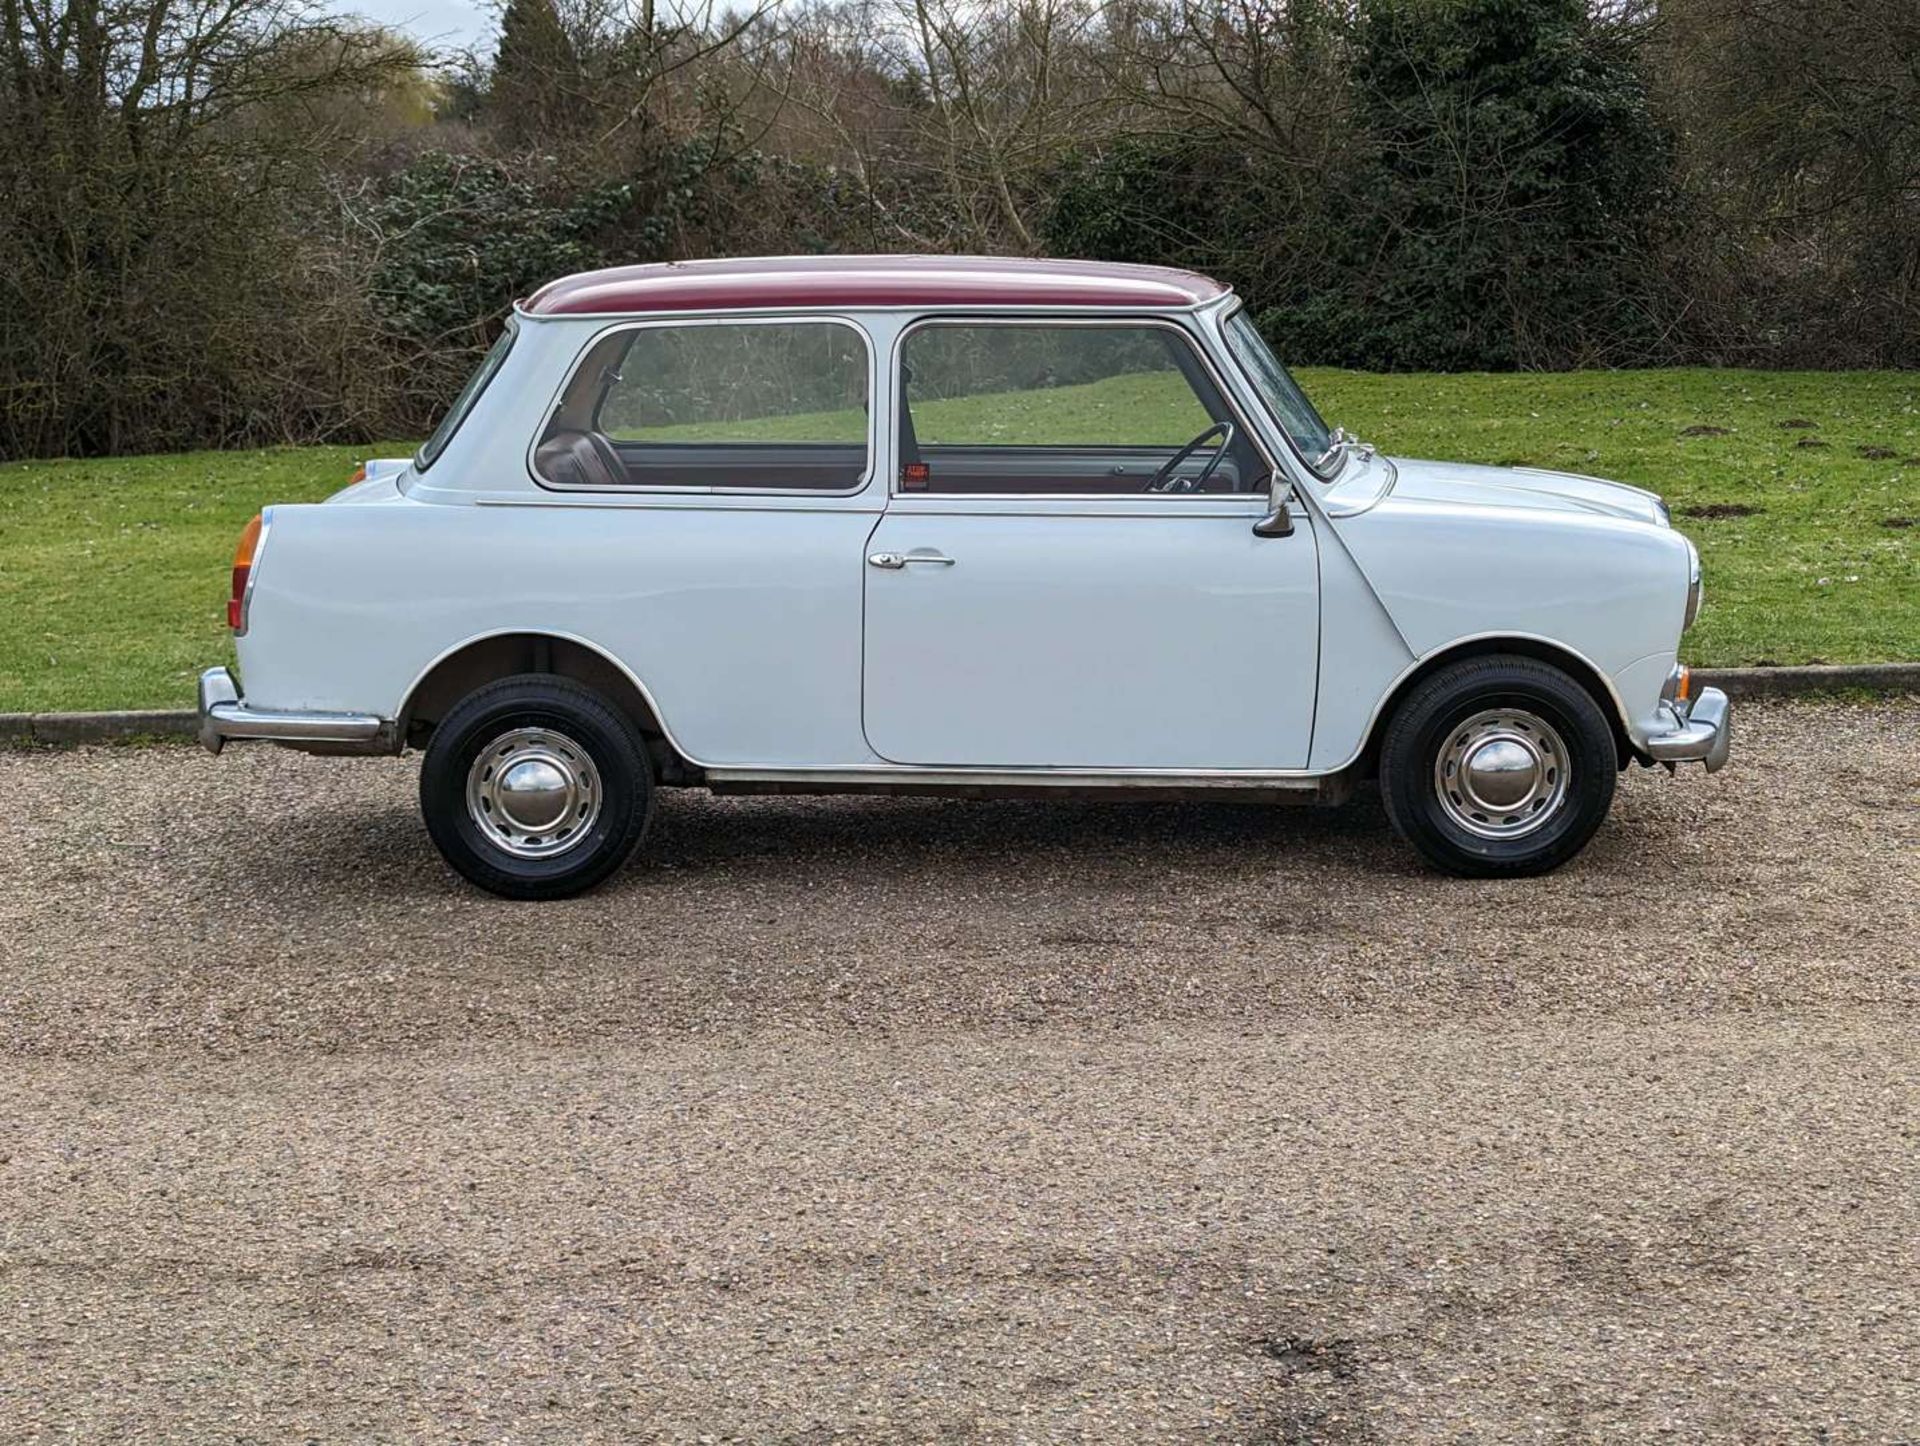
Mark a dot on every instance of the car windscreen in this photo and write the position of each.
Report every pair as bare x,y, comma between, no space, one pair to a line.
469,394
1277,388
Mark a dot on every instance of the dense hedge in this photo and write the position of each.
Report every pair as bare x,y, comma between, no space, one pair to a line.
256,223
1499,204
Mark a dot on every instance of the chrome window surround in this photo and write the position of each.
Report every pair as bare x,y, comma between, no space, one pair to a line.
697,319
1164,321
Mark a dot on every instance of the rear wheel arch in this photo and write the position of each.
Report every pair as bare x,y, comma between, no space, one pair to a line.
536,787
458,673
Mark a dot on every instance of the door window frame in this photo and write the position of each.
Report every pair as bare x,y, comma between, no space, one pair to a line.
1111,503
875,397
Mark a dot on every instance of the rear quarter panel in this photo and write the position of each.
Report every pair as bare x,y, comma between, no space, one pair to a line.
741,623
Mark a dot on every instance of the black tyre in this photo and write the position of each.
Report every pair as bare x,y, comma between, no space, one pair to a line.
1498,767
536,787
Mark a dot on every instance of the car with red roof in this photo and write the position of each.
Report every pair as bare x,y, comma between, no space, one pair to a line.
954,525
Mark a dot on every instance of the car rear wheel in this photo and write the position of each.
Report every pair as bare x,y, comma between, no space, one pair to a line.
1498,766
536,787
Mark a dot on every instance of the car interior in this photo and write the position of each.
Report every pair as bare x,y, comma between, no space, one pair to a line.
595,439
1025,365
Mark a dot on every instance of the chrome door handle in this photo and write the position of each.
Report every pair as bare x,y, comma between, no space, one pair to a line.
894,561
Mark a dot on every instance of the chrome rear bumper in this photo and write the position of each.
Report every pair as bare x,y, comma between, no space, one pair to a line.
1702,731
223,717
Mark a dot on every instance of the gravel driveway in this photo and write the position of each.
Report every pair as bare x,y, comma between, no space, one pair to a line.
887,1119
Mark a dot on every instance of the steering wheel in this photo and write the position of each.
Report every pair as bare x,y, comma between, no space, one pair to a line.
1165,481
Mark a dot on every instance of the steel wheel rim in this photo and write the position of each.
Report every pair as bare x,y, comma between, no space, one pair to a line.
1502,774
533,793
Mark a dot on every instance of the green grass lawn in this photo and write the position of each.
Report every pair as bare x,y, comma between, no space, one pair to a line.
1135,409
113,574
1801,489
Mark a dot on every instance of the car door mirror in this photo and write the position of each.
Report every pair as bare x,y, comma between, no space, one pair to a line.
1279,519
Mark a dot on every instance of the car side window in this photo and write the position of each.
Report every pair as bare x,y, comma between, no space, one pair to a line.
737,406
1063,408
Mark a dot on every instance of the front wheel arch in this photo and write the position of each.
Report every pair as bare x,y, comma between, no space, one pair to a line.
1498,767
1569,662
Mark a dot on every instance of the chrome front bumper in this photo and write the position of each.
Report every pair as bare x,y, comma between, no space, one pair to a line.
223,717
1701,731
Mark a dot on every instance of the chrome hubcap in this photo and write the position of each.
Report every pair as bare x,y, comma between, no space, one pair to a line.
1502,774
533,793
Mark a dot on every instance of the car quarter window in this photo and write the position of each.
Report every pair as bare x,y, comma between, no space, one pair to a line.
757,406
1062,408
489,367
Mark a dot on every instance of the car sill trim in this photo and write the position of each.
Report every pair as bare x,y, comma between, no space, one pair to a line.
1257,778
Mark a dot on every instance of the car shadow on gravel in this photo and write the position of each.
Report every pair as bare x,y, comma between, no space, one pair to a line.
355,847
692,830
371,842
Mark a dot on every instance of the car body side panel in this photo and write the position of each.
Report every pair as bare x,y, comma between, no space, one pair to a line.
486,457
1361,653
1609,590
742,624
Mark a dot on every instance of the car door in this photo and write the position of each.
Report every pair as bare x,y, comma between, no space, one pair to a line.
1031,603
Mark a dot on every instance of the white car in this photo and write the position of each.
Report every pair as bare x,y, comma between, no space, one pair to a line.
951,525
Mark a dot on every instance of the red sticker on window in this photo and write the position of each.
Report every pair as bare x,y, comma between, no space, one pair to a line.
915,476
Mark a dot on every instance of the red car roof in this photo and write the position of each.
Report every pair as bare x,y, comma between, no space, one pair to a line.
757,283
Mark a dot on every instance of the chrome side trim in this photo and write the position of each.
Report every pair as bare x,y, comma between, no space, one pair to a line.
224,717
1229,778
663,498
1702,733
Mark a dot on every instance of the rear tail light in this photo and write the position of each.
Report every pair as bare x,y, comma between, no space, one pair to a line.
243,557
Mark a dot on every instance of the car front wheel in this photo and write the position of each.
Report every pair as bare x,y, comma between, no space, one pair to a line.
535,787
1498,766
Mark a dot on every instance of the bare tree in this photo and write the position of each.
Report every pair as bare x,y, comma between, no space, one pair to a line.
149,152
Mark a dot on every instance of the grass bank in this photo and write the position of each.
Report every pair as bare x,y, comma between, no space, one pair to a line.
1801,489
